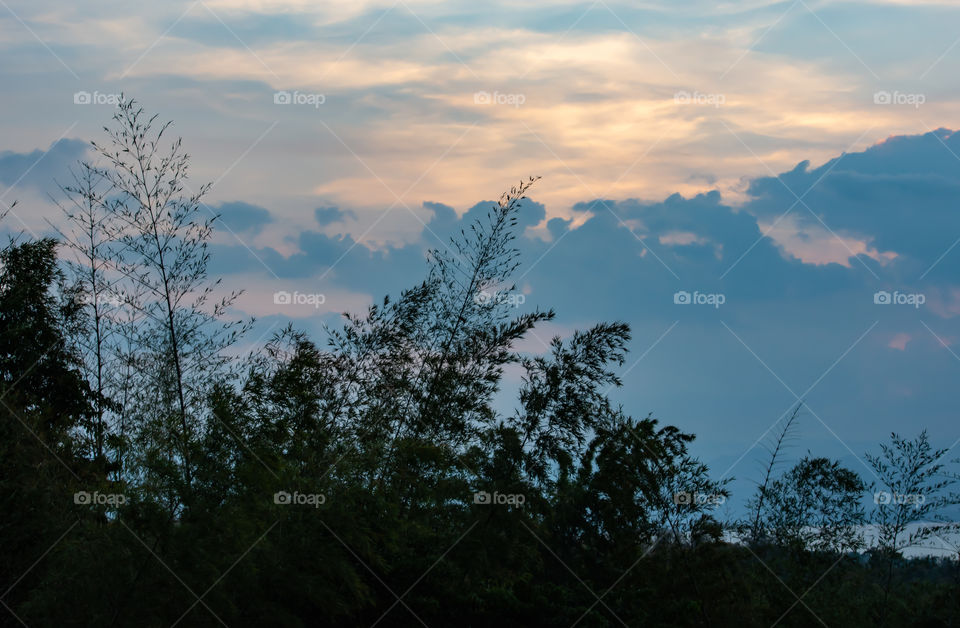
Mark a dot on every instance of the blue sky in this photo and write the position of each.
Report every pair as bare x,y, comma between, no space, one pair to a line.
796,158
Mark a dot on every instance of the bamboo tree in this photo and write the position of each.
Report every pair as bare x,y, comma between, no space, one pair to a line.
88,237
756,527
163,242
918,487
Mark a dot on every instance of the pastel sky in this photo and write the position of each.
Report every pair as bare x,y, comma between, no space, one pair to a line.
796,158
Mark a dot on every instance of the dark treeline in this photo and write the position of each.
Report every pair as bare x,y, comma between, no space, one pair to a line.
150,475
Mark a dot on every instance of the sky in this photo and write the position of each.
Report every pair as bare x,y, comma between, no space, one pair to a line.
765,191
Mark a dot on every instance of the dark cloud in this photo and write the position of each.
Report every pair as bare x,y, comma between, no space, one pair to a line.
902,196
529,214
444,218
240,216
38,168
330,215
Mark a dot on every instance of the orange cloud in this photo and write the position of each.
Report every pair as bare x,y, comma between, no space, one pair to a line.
899,341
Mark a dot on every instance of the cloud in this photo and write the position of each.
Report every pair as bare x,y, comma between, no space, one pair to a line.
329,215
239,216
899,341
444,218
38,168
898,198
248,29
598,118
